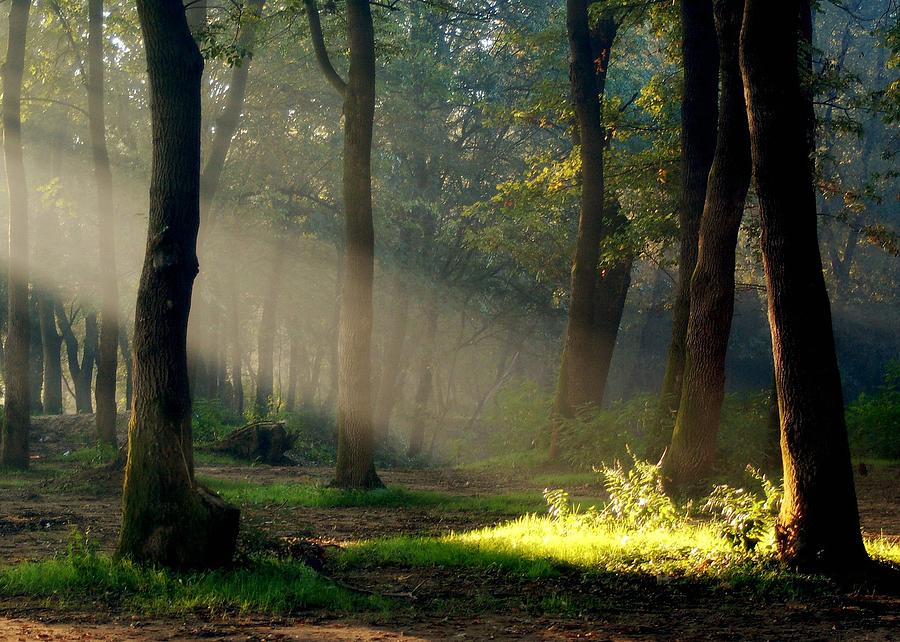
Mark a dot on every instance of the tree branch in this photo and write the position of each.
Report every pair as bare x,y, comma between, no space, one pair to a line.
315,30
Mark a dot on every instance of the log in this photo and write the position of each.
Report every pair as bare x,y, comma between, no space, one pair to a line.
263,441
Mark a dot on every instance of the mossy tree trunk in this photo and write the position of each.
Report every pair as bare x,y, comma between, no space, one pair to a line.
818,527
698,144
167,518
693,447
17,394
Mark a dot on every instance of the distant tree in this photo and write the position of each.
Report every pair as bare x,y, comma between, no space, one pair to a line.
698,144
818,527
693,445
355,460
107,354
17,421
268,327
167,518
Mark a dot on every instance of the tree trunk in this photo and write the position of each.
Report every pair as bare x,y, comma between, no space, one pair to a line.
818,527
692,451
392,377
16,421
167,518
126,360
237,375
35,354
294,358
355,458
698,144
426,380
52,342
580,380
107,363
80,370
267,329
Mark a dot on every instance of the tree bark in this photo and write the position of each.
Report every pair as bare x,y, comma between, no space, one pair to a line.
698,144
818,527
126,361
268,325
167,518
692,451
14,450
107,359
237,374
35,354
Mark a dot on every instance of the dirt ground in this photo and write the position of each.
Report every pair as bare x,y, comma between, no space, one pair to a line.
37,517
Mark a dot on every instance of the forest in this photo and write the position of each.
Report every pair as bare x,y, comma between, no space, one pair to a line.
450,319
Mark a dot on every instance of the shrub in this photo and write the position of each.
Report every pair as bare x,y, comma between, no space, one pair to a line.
518,419
873,421
745,518
211,422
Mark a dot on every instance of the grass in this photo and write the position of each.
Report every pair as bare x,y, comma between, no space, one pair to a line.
311,496
268,586
37,472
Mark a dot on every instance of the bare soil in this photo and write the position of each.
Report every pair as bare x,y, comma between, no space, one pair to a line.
36,519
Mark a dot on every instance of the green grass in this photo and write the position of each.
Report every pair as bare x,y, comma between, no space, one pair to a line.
90,455
37,472
311,496
207,458
268,586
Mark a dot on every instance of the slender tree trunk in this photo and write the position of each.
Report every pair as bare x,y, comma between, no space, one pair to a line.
126,360
692,451
392,361
17,421
698,144
237,374
81,370
580,380
202,354
268,326
52,341
294,358
107,363
35,354
426,380
818,527
167,518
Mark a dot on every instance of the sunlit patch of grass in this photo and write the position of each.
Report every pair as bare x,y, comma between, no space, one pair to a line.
37,472
312,496
567,480
268,586
89,455
537,547
884,549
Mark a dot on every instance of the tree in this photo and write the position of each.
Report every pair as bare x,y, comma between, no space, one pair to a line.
355,462
818,527
693,445
167,518
594,307
17,421
268,327
698,144
107,355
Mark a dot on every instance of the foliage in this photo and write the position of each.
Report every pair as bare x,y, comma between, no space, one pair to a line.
210,421
265,585
873,421
745,518
636,495
518,418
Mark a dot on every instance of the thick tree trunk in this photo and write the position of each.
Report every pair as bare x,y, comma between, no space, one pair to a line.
52,342
818,527
692,451
167,518
268,326
698,144
392,376
581,381
16,421
425,384
107,362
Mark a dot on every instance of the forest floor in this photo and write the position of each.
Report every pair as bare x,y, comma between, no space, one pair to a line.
40,510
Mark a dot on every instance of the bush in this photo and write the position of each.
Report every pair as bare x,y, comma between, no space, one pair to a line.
211,422
518,419
873,422
745,518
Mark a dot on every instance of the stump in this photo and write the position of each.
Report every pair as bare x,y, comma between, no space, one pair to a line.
264,441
